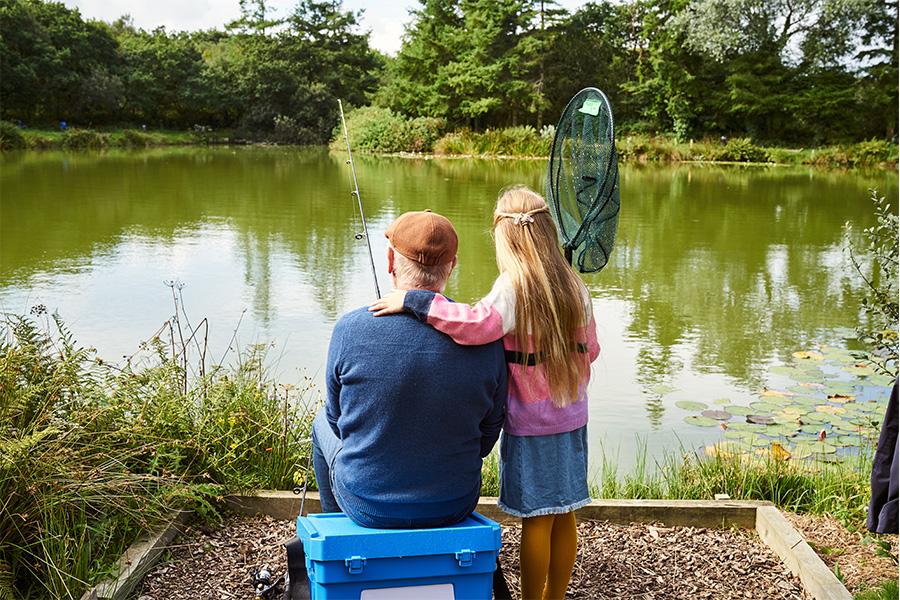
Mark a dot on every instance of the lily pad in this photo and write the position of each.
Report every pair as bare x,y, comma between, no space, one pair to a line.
783,419
662,389
791,372
840,388
814,428
764,407
880,380
783,430
808,355
690,405
814,418
775,394
806,449
741,436
741,426
847,441
805,401
871,408
842,398
860,370
718,415
817,447
760,419
722,401
830,410
813,385
738,410
725,449
700,421
809,376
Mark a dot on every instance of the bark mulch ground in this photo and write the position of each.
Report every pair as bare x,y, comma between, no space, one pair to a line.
216,564
614,561
855,558
653,562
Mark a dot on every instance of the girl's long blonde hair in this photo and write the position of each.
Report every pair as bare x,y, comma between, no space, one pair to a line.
549,297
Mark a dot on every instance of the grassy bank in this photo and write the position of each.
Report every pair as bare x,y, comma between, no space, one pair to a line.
14,138
91,455
379,130
839,489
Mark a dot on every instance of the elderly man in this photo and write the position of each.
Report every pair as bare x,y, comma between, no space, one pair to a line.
409,414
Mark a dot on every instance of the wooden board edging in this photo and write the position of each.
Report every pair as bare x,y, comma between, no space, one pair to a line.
778,534
285,505
137,560
772,527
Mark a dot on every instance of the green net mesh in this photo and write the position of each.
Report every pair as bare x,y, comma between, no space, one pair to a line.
583,180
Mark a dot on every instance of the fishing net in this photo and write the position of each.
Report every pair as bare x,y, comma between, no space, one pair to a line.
583,180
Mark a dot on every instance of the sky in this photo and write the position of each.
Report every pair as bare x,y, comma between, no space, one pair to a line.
385,19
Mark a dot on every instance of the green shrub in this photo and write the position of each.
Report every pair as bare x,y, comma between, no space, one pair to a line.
879,302
132,138
645,148
421,133
92,455
523,140
376,129
887,590
83,138
872,152
741,150
10,137
455,143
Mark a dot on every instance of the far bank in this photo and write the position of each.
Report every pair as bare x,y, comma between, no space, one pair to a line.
420,138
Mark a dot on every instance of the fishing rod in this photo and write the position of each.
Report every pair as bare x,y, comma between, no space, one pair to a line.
355,192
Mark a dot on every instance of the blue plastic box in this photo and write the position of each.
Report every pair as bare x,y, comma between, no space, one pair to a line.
345,560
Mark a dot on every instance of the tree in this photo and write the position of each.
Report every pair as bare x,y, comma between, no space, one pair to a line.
46,53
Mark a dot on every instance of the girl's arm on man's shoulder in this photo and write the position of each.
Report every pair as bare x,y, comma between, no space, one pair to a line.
487,321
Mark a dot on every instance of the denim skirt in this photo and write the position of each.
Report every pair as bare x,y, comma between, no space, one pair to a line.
543,474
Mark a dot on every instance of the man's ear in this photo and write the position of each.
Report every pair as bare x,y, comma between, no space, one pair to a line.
455,262
390,260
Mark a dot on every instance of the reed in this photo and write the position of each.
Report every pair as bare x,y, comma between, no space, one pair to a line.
92,454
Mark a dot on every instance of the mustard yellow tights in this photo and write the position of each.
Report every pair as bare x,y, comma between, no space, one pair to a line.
547,555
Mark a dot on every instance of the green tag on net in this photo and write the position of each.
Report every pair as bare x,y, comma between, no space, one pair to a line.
591,107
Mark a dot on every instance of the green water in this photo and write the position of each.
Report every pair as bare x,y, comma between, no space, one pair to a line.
719,273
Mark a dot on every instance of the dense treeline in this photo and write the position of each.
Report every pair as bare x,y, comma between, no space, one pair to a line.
268,78
777,71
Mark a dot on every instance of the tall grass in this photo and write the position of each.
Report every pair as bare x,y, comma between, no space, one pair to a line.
840,489
92,454
511,141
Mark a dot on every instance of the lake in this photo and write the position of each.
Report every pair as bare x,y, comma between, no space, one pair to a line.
719,274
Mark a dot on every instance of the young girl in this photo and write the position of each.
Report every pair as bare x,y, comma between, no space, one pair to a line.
542,311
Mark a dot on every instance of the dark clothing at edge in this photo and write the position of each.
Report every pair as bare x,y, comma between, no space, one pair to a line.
884,502
415,414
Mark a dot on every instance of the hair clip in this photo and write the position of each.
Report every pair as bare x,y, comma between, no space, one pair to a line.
523,219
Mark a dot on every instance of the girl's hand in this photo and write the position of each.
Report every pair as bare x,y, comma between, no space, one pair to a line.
390,304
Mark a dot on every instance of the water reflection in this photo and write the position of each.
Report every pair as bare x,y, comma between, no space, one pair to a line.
716,272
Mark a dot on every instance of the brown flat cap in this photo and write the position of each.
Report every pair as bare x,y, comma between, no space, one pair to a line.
423,236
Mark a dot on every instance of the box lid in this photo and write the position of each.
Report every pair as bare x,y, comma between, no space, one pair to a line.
333,536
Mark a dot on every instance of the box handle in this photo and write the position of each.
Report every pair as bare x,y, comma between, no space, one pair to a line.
355,564
465,557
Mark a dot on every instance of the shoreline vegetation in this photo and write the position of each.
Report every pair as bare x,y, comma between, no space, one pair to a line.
418,138
92,453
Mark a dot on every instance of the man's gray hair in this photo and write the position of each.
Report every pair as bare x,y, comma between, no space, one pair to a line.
416,274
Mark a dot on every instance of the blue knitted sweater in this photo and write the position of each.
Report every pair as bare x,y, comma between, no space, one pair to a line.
416,413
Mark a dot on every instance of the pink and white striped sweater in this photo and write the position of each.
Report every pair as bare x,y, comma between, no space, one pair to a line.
529,408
